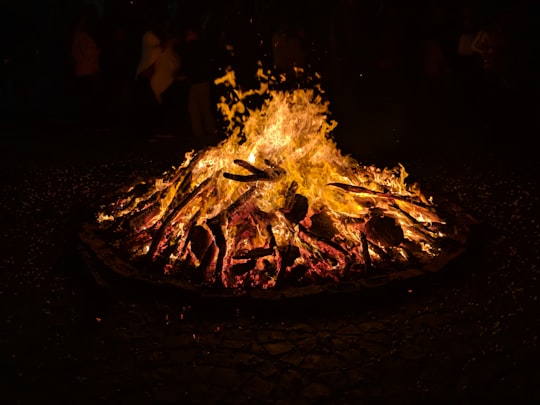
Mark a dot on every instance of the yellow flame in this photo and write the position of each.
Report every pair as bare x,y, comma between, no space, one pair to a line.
289,141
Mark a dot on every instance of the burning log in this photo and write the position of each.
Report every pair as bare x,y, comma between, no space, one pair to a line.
254,253
186,174
386,195
290,197
382,253
333,260
428,232
385,230
296,205
215,225
246,179
249,167
322,225
257,174
273,242
275,170
365,253
161,231
216,264
321,240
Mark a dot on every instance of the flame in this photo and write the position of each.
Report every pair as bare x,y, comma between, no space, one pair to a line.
275,199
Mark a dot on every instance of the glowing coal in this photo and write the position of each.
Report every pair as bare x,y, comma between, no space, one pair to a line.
275,204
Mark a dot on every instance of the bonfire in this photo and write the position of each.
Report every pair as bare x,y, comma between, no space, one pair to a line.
275,205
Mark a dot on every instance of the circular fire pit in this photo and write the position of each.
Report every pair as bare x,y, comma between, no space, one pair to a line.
110,269
275,210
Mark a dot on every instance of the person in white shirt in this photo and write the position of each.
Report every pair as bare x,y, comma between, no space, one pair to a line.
158,69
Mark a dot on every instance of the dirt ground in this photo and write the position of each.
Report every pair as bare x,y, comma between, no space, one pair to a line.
466,335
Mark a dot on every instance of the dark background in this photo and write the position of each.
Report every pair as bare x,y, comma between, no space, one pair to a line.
389,42
466,335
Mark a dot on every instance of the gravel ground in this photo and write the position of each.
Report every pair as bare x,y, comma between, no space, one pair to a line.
466,335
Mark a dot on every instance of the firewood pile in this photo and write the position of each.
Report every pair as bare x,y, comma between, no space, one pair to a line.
275,210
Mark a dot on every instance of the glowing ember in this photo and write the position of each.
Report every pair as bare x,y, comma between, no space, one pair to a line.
276,203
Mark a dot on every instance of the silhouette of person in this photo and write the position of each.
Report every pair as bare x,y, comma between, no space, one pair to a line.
85,54
157,70
198,69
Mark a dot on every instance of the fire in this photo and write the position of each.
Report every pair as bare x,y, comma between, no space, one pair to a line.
274,202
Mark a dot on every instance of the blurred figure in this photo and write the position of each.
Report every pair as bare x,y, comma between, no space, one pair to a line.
198,68
158,68
85,53
243,41
119,58
151,50
434,69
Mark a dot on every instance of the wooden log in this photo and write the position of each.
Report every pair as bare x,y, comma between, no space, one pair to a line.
214,224
248,166
277,171
322,225
425,230
246,178
417,227
273,242
385,230
365,253
298,210
160,232
257,174
362,190
186,181
380,251
221,244
322,239
289,198
235,204
254,253
159,261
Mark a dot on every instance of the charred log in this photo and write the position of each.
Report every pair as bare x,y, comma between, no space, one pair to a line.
221,245
257,174
254,253
276,170
299,209
365,253
248,166
214,224
161,231
323,225
178,247
235,204
382,253
246,178
385,231
240,269
323,240
411,218
290,197
273,242
200,240
208,263
186,181
363,190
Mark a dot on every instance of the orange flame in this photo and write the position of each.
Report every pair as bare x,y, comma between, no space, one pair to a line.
273,199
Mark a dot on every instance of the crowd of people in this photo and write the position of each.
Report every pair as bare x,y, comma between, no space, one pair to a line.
156,72
167,78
